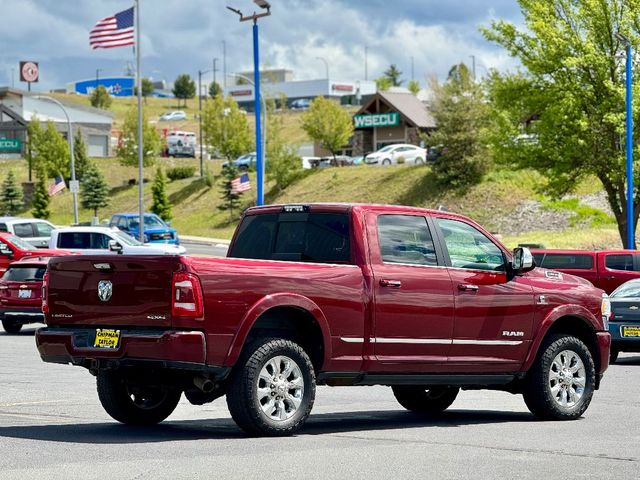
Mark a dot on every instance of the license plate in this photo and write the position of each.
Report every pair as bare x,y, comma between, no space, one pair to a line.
107,338
630,331
24,293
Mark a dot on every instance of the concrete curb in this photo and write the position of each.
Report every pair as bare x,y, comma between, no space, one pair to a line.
194,240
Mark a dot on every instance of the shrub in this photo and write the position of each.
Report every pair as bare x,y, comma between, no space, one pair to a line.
178,173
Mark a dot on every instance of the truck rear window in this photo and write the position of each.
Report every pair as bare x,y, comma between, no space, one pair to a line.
293,236
565,260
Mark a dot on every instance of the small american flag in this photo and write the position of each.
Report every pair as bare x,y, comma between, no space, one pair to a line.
57,186
114,31
241,184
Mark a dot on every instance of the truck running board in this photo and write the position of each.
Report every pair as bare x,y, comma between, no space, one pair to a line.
458,380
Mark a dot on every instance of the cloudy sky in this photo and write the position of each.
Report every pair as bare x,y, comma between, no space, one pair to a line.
183,36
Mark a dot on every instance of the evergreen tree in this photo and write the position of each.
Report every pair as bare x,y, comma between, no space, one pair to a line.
230,198
80,155
161,204
214,89
393,74
95,191
41,195
11,194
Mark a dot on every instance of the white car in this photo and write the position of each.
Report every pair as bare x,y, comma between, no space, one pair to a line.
391,154
175,115
36,232
100,240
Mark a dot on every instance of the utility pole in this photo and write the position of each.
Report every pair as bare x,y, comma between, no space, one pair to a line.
200,73
215,69
224,64
366,73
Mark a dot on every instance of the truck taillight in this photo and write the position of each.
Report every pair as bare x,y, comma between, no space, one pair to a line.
186,296
45,300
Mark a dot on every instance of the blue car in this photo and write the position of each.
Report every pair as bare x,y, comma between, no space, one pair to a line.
244,162
156,230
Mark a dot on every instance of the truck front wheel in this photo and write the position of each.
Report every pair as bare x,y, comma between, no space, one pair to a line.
561,382
425,400
135,404
272,389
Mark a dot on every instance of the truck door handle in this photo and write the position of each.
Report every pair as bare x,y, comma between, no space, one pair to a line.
611,277
466,287
390,283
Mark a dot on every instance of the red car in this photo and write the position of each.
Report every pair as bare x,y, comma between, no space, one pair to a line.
14,248
21,293
606,269
426,302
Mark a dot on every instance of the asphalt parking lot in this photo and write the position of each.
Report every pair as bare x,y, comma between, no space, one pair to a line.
52,426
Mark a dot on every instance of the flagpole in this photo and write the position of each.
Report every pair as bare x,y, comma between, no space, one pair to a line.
140,139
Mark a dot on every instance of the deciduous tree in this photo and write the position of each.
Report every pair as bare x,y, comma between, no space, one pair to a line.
80,155
127,149
564,113
184,87
328,123
226,128
52,151
100,98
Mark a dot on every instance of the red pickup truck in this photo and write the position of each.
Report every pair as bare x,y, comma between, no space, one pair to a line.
606,269
424,301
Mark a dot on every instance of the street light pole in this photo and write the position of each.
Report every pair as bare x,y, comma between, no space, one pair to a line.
366,66
73,164
629,140
98,70
326,66
264,4
200,73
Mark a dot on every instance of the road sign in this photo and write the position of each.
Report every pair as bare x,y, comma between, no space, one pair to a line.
29,71
74,186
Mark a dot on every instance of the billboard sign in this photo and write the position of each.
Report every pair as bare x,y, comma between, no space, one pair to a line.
29,71
116,86
390,119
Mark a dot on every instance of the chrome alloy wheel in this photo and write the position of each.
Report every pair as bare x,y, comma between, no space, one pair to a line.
567,378
280,388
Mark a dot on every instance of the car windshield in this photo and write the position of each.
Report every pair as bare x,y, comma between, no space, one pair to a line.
18,242
627,290
126,239
149,221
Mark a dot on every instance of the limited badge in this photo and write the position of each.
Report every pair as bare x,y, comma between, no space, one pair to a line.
105,290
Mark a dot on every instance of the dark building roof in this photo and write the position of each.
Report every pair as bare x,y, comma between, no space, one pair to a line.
409,107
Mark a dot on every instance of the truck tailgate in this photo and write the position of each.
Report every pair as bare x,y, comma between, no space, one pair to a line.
111,290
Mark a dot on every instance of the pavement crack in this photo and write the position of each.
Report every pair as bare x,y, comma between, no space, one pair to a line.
494,448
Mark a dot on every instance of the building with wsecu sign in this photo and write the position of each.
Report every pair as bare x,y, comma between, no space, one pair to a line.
388,118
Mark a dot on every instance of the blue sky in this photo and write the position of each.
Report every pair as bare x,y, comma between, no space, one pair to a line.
182,36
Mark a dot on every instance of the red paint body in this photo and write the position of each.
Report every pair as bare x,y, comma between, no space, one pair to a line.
17,253
599,270
426,325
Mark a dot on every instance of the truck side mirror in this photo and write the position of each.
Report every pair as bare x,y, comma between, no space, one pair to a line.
522,260
115,247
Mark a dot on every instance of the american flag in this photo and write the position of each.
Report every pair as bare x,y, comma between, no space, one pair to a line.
114,31
57,186
241,184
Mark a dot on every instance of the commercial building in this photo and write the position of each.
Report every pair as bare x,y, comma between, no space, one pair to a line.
18,107
388,118
280,83
116,86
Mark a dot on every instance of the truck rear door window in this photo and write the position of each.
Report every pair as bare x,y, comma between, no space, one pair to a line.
619,262
405,239
292,236
569,261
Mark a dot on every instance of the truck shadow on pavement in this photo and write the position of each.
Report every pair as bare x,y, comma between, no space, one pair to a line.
319,424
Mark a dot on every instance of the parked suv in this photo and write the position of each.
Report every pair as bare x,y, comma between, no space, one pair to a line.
36,232
156,230
21,293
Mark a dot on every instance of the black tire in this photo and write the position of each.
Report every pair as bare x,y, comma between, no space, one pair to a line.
419,161
135,405
11,326
425,400
613,355
244,399
386,161
538,395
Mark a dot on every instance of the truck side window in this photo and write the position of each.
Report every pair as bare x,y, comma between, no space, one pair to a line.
73,240
469,248
566,260
299,237
24,230
405,239
619,262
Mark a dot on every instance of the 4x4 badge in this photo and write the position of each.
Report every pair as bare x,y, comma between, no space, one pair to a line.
105,290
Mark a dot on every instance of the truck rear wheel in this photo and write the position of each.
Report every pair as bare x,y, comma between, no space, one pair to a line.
135,404
11,326
272,389
425,400
560,384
